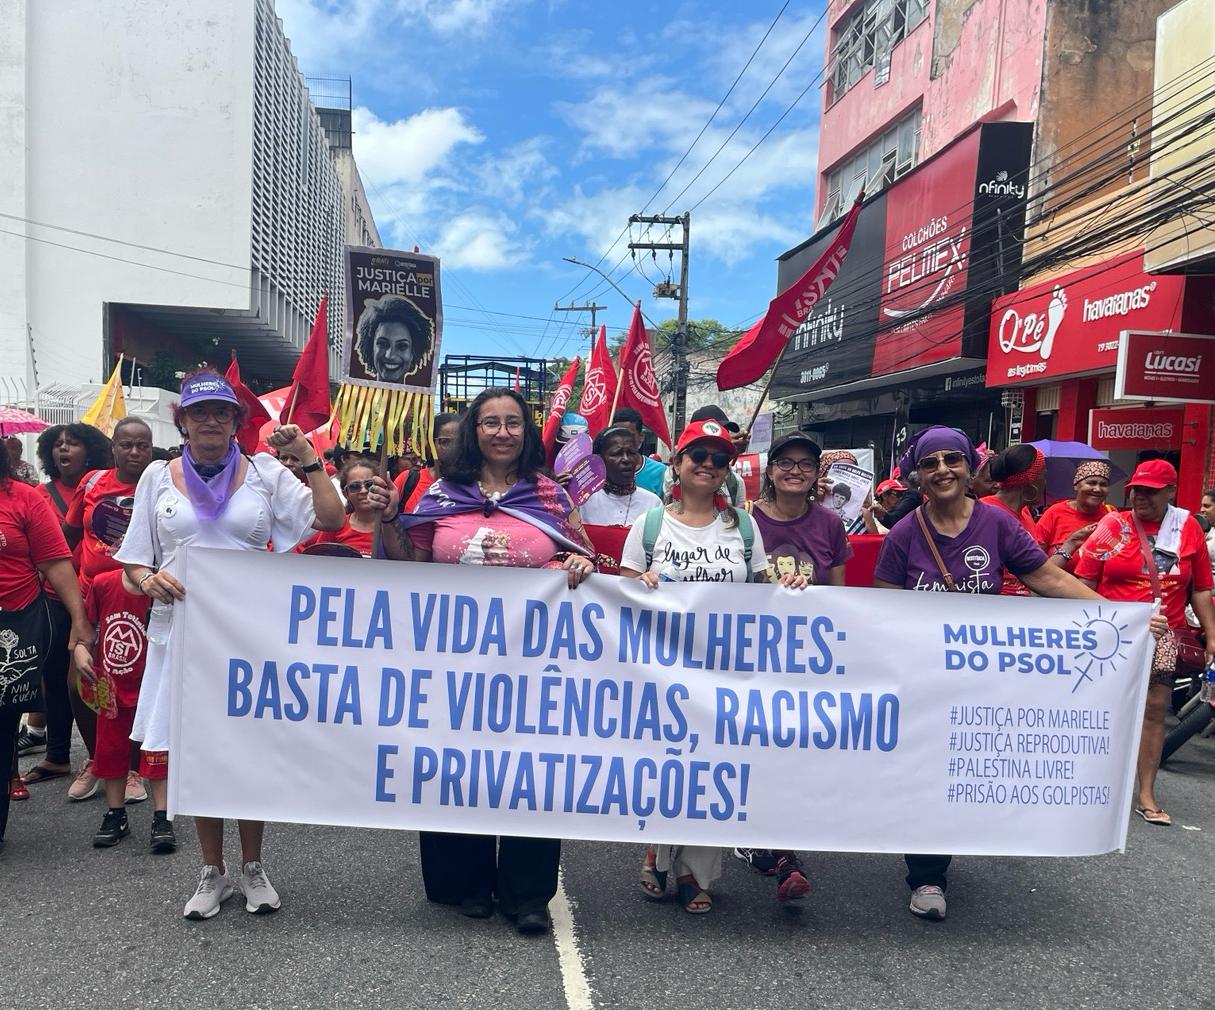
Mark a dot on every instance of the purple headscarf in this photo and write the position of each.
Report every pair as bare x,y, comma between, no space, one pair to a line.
934,439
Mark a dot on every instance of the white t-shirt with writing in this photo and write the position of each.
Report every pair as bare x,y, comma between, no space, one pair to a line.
712,553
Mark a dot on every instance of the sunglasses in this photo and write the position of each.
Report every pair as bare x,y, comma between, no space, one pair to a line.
698,455
951,459
358,485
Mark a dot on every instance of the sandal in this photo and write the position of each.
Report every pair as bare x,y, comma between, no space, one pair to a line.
654,882
17,789
1154,816
695,900
41,773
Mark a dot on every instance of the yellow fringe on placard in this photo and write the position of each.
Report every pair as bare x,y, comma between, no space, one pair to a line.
397,418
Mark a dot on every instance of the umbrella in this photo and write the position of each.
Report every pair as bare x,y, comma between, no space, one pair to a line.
1062,458
14,421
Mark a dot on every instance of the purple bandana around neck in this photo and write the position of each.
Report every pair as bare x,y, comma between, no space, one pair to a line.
543,504
210,495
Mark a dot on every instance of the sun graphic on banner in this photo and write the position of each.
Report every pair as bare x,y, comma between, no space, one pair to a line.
1106,650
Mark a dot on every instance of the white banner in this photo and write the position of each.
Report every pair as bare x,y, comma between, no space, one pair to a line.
393,695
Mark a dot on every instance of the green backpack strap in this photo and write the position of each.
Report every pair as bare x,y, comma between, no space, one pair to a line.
650,531
746,528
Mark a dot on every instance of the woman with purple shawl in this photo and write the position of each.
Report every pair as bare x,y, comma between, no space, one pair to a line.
493,505
212,496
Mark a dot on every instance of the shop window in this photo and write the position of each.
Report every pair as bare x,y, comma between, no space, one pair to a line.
887,158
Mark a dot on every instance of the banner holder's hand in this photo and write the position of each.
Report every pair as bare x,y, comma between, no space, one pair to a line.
1160,624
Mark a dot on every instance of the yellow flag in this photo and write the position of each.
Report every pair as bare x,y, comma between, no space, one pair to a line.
110,405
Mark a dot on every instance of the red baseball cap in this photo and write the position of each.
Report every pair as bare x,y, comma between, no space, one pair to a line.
705,431
1154,473
889,485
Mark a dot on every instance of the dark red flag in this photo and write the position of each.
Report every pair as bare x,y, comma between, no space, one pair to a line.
308,402
638,383
250,434
599,387
561,399
761,345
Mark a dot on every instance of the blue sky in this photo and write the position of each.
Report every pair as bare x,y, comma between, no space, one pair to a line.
505,134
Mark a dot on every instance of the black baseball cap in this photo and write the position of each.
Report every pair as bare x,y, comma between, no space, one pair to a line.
712,412
794,438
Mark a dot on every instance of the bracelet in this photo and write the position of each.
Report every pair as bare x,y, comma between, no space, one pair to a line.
1064,553
139,584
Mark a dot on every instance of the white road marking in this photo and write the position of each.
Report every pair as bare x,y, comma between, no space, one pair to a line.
569,957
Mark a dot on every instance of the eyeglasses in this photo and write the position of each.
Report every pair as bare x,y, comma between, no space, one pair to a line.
789,465
133,446
953,460
202,411
493,425
719,459
358,485
446,440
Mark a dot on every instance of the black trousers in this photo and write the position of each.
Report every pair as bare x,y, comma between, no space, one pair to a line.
55,687
925,870
10,719
521,872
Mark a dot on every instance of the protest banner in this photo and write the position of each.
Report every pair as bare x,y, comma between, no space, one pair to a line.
497,700
394,325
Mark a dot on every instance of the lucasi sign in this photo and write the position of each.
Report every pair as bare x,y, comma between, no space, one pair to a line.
1165,367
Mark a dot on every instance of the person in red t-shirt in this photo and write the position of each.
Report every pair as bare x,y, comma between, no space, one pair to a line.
445,428
122,645
32,549
1174,569
355,481
66,452
1019,473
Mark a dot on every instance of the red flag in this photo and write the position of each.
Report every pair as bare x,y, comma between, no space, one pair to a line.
761,345
308,402
561,398
638,383
250,434
516,378
599,387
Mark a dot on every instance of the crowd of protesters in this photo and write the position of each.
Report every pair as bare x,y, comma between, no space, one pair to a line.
90,566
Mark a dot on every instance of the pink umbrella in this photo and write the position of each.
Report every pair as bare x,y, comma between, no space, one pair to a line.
14,421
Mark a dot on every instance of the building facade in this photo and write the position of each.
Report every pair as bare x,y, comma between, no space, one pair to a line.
169,192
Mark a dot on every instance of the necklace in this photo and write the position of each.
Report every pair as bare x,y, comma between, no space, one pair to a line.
619,489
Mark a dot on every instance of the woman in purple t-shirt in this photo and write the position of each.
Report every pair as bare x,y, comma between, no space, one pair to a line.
798,532
976,542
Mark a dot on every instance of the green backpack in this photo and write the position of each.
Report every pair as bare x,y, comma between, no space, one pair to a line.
653,526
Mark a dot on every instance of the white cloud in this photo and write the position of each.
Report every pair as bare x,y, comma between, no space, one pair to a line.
623,122
479,240
407,150
519,174
466,17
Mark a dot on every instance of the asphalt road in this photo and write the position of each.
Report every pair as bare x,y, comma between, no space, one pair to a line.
102,928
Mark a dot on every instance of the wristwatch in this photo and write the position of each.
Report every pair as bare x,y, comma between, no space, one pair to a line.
312,467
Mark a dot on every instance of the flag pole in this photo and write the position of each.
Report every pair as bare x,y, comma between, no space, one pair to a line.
377,534
295,392
767,385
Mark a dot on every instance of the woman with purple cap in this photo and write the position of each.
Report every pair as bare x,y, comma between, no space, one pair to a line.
212,496
494,505
957,544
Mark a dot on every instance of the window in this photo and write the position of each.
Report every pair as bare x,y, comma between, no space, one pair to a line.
866,38
887,157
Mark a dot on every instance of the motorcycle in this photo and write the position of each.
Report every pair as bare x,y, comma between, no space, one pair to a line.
1195,713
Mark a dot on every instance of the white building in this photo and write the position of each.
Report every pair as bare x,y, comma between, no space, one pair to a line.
166,192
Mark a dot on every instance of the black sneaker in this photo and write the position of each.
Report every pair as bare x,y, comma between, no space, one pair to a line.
760,860
114,828
163,839
30,741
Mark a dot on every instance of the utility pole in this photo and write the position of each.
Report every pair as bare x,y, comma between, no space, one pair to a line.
592,330
665,289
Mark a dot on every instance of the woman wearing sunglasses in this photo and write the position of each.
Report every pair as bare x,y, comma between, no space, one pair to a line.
954,543
700,537
358,479
788,515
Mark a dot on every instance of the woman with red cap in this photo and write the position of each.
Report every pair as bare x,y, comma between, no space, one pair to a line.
213,496
886,498
1064,526
1154,552
700,537
1019,473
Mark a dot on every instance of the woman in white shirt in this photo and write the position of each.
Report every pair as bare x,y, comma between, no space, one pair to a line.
608,515
699,537
213,496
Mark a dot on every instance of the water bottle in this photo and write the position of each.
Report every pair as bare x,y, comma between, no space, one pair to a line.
1208,683
160,621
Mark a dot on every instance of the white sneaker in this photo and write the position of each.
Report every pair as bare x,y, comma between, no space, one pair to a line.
214,888
260,895
135,791
928,902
